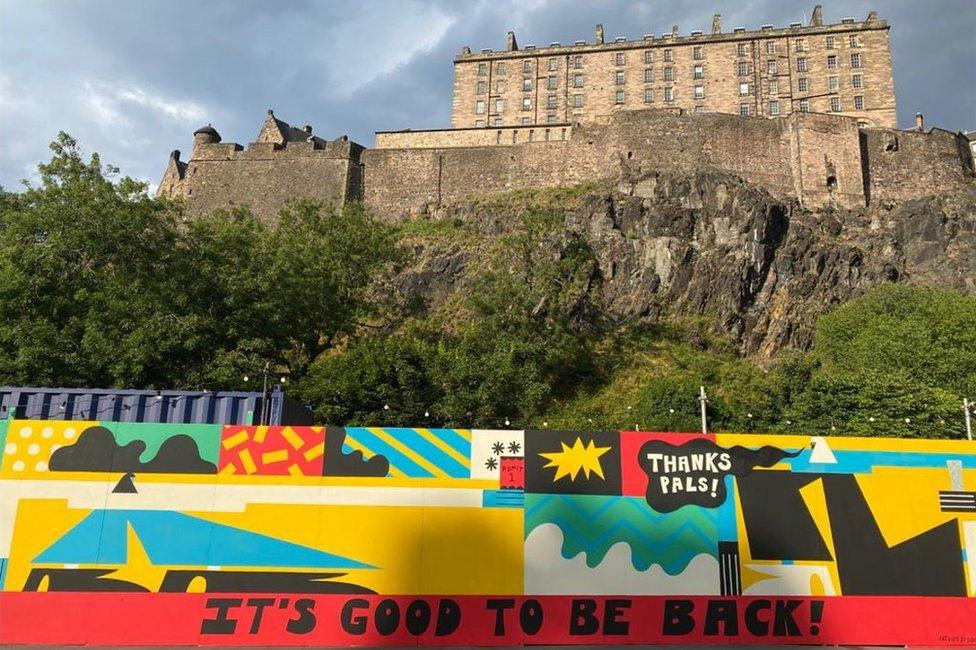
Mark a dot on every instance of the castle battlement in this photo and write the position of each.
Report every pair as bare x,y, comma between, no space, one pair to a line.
281,161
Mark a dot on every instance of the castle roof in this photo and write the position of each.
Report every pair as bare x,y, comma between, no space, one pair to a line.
280,132
208,130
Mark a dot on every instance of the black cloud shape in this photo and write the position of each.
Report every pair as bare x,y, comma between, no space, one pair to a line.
97,451
337,463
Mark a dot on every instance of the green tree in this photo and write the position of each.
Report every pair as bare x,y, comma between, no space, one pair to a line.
82,260
896,362
282,294
103,285
523,337
927,333
376,381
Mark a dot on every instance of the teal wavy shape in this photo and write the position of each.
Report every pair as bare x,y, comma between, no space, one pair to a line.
592,524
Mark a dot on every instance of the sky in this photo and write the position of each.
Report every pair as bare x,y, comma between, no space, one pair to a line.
132,80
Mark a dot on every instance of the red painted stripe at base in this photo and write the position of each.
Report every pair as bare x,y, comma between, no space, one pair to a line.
301,619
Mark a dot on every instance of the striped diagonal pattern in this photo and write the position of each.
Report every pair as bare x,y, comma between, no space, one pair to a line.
415,453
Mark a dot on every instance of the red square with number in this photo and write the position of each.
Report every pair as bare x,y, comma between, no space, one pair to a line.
512,473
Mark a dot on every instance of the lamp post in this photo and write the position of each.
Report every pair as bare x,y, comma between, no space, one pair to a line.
703,398
969,422
264,394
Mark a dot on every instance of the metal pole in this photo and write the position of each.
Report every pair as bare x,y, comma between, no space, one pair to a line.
703,399
264,395
969,423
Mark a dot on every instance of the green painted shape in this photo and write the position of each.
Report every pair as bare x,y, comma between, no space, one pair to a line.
207,436
4,424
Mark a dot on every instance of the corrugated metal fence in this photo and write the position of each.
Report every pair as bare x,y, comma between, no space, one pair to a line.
176,406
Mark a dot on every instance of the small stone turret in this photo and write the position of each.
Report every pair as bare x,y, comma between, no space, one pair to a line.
717,24
919,122
205,135
599,34
512,44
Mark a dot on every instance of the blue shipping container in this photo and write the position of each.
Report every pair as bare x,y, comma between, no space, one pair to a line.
176,406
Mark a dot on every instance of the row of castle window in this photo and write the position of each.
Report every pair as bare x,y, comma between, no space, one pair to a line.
745,89
552,82
744,68
745,109
773,107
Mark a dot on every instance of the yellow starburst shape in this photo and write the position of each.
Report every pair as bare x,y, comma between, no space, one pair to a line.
578,458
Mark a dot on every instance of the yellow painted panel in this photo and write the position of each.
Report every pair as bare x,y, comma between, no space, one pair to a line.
38,524
30,443
905,501
472,551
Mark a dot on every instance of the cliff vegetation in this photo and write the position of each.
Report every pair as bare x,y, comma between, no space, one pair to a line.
587,307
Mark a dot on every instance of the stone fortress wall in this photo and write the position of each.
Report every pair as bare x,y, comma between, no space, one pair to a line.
817,157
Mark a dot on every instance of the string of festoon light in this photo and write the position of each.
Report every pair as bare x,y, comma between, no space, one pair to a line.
968,407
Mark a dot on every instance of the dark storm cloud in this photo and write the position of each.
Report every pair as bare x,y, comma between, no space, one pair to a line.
132,80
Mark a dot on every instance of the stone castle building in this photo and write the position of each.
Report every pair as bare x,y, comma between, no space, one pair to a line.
842,68
833,143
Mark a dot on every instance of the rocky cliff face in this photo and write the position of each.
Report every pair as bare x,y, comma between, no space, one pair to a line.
709,244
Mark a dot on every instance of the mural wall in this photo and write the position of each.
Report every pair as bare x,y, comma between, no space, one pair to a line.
121,533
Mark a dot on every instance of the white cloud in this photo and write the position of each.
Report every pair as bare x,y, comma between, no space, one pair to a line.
547,572
110,104
185,111
378,39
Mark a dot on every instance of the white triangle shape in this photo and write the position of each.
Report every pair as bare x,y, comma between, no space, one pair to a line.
821,451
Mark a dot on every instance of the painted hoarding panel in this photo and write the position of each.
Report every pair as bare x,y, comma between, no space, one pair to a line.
209,534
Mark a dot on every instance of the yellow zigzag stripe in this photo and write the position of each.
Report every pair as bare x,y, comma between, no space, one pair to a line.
409,453
355,444
443,446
